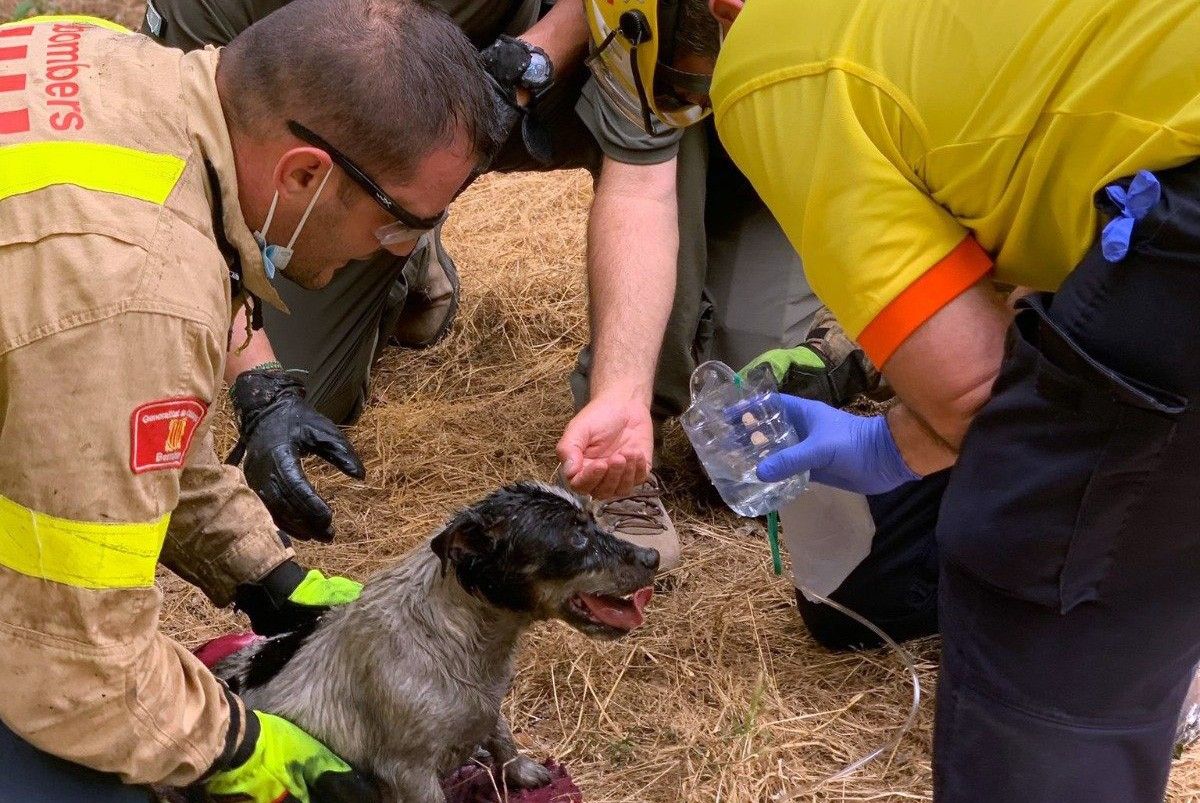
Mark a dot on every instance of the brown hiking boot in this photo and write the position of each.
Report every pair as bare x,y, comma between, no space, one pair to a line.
432,301
641,519
827,366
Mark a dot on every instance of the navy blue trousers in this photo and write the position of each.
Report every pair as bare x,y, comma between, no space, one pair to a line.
1069,535
27,775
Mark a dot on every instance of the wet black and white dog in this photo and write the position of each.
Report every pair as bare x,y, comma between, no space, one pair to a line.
406,682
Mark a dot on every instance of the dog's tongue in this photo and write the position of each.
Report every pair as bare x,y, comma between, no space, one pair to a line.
617,612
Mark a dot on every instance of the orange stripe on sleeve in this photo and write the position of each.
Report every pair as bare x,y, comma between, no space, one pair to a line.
937,287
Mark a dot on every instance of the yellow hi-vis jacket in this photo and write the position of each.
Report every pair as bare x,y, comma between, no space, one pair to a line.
114,323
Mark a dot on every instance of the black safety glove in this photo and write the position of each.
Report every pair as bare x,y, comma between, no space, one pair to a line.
276,428
291,597
505,62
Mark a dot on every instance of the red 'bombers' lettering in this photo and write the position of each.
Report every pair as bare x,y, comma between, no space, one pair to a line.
14,120
70,120
63,67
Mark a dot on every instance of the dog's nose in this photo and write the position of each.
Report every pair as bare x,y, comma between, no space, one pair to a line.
648,557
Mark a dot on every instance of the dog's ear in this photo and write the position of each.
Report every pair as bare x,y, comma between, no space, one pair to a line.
466,535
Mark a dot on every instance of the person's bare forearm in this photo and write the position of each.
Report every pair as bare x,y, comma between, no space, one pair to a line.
255,353
563,34
633,242
633,245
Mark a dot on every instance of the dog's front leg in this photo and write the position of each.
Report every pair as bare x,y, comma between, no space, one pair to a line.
519,770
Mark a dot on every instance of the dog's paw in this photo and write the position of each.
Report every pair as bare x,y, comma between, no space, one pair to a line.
525,773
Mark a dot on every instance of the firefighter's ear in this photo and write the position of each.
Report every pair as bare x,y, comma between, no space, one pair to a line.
300,171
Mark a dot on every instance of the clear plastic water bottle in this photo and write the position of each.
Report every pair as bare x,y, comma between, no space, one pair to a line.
733,424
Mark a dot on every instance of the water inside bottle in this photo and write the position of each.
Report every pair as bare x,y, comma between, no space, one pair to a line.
732,426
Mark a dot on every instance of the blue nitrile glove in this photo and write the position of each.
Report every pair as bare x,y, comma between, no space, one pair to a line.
852,452
1135,203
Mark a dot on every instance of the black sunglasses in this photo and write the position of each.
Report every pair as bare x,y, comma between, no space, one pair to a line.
360,177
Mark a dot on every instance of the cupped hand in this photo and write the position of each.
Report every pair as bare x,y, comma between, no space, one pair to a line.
608,447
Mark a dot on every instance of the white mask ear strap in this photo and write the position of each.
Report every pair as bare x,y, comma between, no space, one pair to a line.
270,215
311,204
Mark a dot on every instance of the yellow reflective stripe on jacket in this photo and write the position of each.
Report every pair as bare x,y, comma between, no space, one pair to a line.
82,19
29,166
84,554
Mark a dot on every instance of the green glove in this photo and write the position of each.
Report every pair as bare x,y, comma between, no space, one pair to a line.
782,361
318,590
805,371
287,764
290,598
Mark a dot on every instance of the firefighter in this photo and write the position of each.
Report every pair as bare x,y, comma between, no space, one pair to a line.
145,194
406,297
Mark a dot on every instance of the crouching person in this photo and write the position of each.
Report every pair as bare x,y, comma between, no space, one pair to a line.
875,554
133,183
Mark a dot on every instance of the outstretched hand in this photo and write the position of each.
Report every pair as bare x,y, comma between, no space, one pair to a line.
607,448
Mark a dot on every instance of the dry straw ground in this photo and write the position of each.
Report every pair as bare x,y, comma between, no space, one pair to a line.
721,696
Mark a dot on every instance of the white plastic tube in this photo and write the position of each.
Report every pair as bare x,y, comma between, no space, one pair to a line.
903,654
909,664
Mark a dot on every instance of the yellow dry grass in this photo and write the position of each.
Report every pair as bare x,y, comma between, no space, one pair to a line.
721,696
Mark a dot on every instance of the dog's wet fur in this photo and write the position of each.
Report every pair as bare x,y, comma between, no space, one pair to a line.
406,682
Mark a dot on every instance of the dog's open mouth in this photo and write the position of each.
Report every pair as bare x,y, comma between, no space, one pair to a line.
620,613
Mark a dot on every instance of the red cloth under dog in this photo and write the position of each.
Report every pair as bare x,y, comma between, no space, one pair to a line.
474,784
214,652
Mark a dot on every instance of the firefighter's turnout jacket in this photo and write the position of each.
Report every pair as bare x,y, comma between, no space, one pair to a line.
115,307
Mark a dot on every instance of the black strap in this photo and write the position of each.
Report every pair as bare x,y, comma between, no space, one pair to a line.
230,254
233,260
643,99
696,83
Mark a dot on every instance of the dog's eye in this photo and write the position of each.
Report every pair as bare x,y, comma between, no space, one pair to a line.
580,540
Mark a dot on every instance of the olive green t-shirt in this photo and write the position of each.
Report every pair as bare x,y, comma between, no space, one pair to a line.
190,24
622,140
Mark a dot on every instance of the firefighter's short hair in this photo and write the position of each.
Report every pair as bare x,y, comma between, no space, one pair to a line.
385,81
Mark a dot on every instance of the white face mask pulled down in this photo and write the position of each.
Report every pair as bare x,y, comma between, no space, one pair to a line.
277,257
